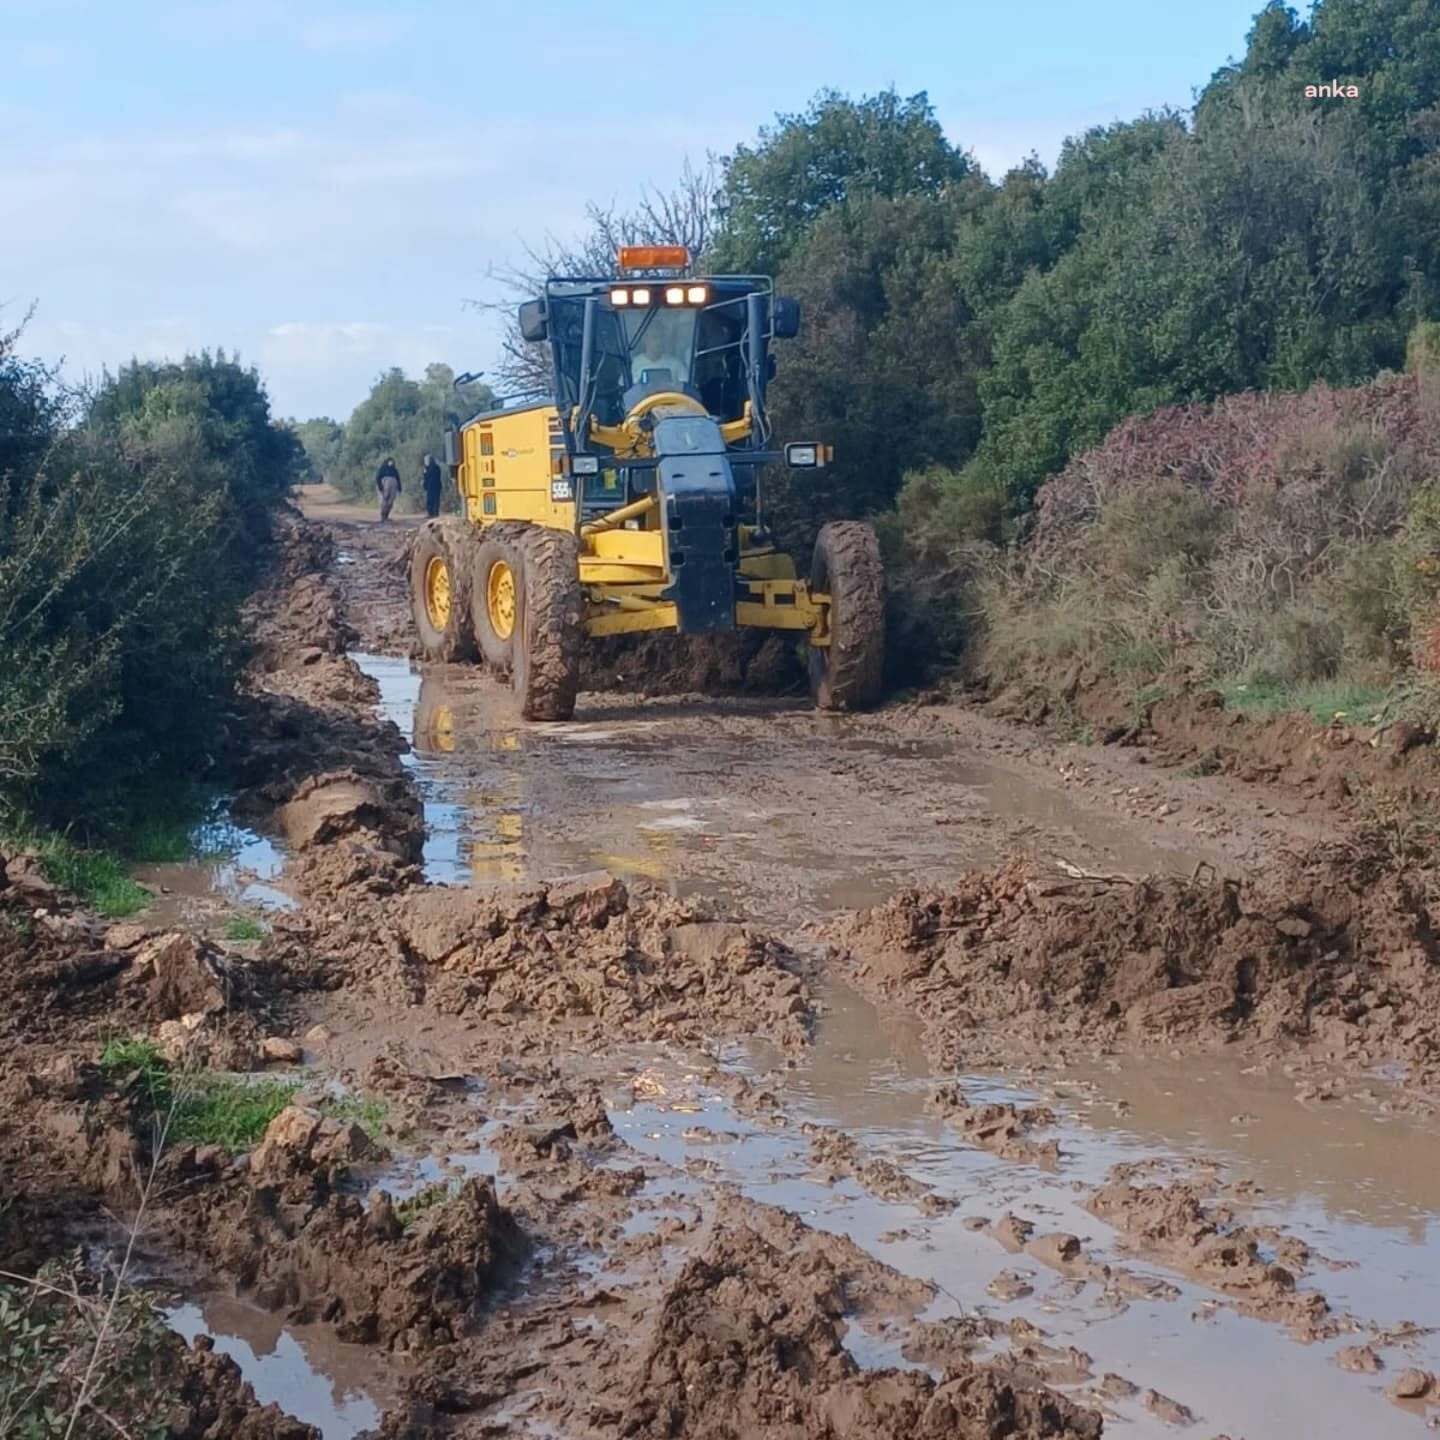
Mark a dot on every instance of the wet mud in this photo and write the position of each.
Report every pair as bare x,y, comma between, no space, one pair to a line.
734,1071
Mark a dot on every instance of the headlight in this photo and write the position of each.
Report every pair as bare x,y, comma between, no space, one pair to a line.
640,297
619,297
697,294
585,465
675,295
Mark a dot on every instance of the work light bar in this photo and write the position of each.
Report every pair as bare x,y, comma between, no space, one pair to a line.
625,295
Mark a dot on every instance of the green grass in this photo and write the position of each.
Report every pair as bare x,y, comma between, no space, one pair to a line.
1322,700
98,877
366,1111
206,1108
159,831
136,1055
244,927
230,1110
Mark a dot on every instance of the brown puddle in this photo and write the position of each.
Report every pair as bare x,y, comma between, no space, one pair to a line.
749,806
234,867
868,1077
340,1389
774,818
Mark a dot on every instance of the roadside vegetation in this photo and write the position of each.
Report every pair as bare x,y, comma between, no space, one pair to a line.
203,1108
1284,549
971,343
133,524
400,417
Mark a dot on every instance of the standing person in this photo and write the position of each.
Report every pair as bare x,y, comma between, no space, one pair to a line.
387,482
431,478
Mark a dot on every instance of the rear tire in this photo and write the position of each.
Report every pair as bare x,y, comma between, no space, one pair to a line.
495,593
440,578
545,667
847,674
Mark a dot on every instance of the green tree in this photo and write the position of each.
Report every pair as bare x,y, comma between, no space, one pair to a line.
322,439
406,419
836,150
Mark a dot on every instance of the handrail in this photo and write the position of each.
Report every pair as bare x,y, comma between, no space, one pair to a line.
633,511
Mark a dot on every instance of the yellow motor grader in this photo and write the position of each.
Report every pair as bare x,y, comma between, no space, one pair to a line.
627,498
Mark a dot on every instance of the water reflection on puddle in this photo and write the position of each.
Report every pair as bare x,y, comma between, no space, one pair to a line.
231,861
303,1369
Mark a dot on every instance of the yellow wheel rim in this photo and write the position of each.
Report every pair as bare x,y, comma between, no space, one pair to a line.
437,592
500,599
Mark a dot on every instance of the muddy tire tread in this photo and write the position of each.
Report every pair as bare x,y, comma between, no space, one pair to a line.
452,538
851,675
549,633
507,535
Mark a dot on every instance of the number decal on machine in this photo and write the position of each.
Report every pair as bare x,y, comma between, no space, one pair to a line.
562,490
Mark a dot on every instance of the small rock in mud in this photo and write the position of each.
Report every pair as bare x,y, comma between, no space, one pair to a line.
280,1051
58,1079
1410,1385
1117,1387
1172,1412
125,936
300,1139
185,976
1012,1232
1361,1359
1003,1129
1010,1285
1058,1249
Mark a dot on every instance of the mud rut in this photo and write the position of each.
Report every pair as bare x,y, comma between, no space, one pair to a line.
1239,1245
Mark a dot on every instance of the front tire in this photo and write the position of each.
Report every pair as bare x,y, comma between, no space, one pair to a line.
545,665
440,577
847,674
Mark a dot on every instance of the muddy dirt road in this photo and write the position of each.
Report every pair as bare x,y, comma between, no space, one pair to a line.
670,1133
788,819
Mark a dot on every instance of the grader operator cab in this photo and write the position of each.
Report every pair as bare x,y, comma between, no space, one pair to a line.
628,498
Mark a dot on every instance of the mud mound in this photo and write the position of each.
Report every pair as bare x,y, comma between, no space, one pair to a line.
644,965
583,957
1333,950
1169,1221
215,1400
293,1232
1001,1128
297,609
68,980
749,1342
746,662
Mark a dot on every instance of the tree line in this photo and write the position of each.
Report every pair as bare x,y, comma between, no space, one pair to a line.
965,336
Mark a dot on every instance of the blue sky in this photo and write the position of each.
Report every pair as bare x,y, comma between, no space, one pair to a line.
322,187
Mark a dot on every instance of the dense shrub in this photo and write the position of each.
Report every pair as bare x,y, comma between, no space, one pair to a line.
135,519
1274,540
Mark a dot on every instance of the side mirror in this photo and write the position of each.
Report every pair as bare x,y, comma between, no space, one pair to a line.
533,322
785,317
452,447
808,455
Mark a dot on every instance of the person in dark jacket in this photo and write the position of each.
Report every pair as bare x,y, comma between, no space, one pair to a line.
387,482
432,480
